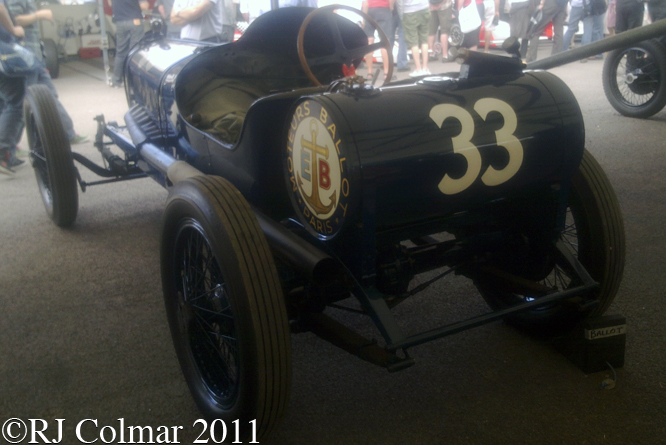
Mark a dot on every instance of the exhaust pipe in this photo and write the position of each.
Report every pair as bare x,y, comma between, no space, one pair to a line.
303,256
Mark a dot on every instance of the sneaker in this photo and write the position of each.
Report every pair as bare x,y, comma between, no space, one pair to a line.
14,163
78,139
115,85
415,73
5,168
425,72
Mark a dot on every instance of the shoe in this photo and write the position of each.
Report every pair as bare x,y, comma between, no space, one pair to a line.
22,153
404,69
116,85
415,73
14,163
425,72
5,168
78,139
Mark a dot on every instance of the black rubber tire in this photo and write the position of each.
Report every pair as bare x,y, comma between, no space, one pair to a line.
594,232
51,59
631,92
210,232
51,156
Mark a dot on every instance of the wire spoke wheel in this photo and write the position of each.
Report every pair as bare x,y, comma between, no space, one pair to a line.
205,313
225,307
594,234
634,78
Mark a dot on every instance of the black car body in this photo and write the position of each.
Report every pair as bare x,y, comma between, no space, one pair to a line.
287,198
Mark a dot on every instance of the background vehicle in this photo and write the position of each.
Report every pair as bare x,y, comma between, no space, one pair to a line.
293,188
634,78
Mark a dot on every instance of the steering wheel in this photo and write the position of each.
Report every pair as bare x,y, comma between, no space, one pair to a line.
342,54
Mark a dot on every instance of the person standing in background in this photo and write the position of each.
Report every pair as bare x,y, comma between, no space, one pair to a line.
555,11
228,21
628,15
415,16
576,14
26,15
519,21
381,11
490,20
164,7
12,92
471,40
593,28
441,16
128,18
200,19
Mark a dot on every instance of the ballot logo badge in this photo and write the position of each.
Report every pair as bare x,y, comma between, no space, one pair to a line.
316,169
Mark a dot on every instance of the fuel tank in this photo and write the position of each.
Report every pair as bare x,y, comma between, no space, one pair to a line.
412,152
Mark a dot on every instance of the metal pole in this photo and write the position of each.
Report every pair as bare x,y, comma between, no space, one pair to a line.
105,39
622,40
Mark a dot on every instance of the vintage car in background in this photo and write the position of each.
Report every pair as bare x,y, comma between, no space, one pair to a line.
297,190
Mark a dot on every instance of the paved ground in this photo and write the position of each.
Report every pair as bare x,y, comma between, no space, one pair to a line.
83,333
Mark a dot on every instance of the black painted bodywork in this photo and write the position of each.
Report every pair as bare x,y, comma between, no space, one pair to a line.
395,153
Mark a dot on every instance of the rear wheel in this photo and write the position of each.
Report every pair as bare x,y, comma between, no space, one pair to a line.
594,233
51,156
634,79
225,307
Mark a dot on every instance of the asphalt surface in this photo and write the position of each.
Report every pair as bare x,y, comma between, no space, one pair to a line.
83,332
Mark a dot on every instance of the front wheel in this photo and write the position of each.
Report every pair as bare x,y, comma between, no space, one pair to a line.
225,307
594,233
634,79
51,156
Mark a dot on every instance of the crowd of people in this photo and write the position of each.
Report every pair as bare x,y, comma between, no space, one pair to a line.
417,24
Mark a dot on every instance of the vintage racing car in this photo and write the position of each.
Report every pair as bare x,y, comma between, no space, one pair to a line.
296,189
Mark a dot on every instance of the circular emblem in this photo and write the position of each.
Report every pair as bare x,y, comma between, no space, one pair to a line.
316,169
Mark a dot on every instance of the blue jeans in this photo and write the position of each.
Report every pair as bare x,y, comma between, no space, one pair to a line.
42,77
127,35
575,15
402,44
12,92
593,28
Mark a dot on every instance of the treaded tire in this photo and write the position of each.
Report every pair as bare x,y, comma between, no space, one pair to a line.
51,59
221,289
638,91
595,234
51,156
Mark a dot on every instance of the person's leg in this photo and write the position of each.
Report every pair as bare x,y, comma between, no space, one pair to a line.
588,26
12,92
532,48
403,60
433,26
558,29
424,19
445,20
575,16
123,36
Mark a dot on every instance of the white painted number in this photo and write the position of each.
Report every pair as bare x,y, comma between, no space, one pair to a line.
462,144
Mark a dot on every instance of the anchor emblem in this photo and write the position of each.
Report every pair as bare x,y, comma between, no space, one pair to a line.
312,150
